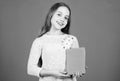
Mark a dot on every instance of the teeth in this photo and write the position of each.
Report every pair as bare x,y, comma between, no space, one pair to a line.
60,23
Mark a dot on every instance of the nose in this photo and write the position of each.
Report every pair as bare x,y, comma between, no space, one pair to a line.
62,20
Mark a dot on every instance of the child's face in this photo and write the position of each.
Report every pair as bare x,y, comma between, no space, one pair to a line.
60,18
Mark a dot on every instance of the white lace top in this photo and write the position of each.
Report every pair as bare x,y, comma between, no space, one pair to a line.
53,51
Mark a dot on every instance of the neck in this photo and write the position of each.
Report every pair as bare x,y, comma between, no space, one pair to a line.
52,32
55,31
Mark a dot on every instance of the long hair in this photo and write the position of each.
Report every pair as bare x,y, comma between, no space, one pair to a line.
47,24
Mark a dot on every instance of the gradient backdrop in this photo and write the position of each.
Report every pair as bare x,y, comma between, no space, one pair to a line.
96,23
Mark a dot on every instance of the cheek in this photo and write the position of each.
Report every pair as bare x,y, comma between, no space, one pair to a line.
52,20
66,22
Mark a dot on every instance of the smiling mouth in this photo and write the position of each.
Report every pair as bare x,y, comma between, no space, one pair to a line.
60,23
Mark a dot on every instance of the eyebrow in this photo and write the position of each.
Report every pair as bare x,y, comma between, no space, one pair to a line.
61,13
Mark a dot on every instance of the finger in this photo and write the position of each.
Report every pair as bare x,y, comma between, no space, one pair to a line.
64,73
79,74
73,74
76,74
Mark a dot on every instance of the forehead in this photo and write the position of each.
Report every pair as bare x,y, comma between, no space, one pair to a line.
63,10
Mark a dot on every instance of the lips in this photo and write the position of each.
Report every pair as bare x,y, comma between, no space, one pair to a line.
60,23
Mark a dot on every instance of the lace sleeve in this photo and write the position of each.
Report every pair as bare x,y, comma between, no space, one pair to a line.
70,42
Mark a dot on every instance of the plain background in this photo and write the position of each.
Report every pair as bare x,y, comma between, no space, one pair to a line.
96,23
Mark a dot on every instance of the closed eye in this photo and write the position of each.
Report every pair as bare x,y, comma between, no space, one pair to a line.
66,18
59,14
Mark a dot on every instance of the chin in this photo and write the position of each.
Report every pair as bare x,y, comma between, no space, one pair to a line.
60,27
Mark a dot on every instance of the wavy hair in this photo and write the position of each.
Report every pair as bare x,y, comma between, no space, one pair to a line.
47,24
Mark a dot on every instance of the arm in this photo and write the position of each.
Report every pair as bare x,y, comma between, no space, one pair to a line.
32,67
53,73
35,53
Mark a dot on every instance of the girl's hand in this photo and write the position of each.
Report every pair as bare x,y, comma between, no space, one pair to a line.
65,73
62,74
54,73
78,74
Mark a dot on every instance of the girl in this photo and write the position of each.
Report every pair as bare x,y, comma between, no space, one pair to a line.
51,45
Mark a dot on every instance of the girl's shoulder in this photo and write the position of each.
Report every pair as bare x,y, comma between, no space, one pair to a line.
38,40
72,36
